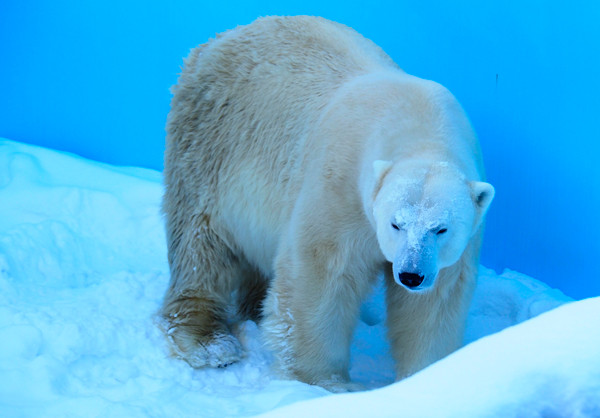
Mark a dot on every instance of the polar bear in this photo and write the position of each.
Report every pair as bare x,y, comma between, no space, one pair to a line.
300,163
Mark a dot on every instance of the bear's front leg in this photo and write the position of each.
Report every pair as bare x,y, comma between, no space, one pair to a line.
424,327
311,312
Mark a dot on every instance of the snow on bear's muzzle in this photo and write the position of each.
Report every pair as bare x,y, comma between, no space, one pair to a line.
415,266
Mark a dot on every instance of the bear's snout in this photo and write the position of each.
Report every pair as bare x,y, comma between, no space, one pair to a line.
411,280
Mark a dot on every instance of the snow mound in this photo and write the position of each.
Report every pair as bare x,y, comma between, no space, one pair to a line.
83,269
546,367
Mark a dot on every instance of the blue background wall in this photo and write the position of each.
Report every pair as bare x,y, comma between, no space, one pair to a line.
93,78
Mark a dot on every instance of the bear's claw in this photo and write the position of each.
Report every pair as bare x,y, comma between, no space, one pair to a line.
220,350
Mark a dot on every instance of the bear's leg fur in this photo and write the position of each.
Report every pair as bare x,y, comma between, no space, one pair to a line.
425,327
311,311
252,294
205,274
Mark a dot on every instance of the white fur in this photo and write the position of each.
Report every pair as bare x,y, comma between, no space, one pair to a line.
411,209
293,144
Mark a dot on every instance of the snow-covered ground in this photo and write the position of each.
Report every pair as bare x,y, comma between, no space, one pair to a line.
82,272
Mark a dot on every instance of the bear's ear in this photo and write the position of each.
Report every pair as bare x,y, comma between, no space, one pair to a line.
380,168
483,194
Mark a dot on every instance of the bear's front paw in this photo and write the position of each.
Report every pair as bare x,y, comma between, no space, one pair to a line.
217,350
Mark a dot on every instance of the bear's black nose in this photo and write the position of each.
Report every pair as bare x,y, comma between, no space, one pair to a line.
411,280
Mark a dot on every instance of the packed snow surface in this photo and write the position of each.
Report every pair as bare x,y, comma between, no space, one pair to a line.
83,269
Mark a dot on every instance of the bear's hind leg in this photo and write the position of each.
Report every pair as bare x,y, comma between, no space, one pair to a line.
252,294
204,275
198,333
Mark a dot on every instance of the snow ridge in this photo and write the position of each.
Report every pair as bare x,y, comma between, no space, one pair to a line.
83,270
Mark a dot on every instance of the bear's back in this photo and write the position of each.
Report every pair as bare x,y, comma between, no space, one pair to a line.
239,130
255,76
303,46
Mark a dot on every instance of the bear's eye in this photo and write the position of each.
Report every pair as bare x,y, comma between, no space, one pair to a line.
442,231
396,227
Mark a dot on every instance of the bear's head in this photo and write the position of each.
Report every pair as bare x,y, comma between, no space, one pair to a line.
425,216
